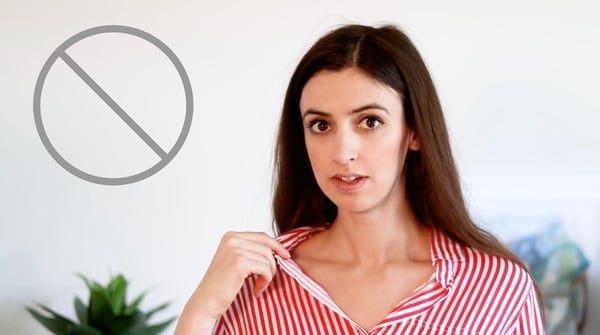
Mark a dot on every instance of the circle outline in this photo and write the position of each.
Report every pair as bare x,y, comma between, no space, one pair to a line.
101,30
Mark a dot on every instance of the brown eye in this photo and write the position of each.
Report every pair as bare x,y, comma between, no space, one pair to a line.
319,126
370,122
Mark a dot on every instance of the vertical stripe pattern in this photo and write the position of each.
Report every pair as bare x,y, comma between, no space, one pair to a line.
469,293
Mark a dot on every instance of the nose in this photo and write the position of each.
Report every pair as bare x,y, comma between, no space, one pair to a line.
345,147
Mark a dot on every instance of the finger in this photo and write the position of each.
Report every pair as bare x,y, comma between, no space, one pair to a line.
263,250
260,284
263,272
268,240
257,242
242,245
258,256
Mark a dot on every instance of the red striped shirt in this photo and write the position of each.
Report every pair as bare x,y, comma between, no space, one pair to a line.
469,293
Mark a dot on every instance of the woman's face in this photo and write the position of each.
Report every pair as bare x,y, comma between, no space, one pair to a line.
356,138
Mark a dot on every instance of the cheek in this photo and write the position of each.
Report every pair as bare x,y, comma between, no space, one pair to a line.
315,155
387,155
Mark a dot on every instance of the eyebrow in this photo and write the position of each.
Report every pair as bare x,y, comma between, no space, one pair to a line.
354,111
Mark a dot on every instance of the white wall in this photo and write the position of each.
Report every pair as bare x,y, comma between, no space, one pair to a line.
518,80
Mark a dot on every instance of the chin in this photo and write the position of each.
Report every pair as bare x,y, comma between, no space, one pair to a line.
355,206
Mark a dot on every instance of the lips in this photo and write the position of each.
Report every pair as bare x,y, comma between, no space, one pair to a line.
348,182
348,176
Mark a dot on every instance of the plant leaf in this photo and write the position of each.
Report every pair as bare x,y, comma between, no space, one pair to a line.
132,307
116,290
127,324
87,282
83,330
156,309
57,325
99,311
154,329
81,310
56,315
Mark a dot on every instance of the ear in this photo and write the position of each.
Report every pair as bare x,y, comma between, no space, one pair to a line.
413,141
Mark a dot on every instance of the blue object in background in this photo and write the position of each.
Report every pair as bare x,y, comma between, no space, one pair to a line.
557,264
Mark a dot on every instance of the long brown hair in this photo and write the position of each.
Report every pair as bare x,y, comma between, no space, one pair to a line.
432,181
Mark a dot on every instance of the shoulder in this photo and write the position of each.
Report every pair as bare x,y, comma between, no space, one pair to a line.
291,238
485,293
496,269
480,272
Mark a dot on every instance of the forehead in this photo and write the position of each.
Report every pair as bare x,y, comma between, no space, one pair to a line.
345,90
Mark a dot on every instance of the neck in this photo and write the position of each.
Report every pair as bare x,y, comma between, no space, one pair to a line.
379,237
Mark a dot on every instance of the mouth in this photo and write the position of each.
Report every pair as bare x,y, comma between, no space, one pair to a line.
348,182
348,177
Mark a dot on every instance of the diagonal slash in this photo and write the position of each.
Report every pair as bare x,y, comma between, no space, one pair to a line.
112,104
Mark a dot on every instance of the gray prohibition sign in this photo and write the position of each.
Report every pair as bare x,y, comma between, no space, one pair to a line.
60,52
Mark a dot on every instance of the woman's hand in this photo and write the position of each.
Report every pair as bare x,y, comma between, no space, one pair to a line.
238,256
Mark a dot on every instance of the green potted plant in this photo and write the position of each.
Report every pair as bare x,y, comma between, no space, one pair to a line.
107,313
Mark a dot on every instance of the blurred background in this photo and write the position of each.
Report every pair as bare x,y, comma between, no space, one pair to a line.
518,82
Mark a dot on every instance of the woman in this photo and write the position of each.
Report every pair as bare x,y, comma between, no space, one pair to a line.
373,233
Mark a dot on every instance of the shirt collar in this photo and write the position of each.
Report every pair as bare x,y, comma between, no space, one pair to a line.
292,238
443,248
445,256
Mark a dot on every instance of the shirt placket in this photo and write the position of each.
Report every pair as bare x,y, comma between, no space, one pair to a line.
317,291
